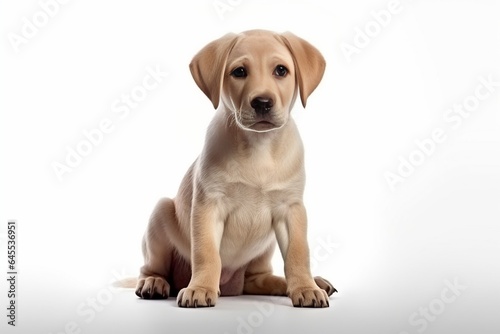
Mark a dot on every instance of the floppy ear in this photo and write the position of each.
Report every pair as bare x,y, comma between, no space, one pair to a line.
309,64
207,66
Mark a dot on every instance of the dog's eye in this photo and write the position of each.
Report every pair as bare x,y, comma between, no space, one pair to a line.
239,72
280,71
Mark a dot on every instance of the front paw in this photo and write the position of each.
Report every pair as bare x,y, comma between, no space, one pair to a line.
197,297
309,297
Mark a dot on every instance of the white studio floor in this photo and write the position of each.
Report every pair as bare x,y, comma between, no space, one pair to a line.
375,307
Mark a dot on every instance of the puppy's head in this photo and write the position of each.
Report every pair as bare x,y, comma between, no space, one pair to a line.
256,76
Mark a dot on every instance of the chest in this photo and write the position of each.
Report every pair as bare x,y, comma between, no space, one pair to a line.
248,227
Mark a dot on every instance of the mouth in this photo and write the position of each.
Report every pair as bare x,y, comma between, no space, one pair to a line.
263,126
258,124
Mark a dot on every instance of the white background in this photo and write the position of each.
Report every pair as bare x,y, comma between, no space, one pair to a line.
388,251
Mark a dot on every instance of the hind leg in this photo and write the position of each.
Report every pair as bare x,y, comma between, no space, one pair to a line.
158,252
325,285
259,279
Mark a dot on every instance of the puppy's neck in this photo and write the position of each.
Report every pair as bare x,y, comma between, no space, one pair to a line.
227,141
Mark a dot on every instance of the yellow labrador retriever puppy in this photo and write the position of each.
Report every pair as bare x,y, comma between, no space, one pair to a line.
244,191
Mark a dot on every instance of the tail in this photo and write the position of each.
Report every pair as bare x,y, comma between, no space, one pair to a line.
126,283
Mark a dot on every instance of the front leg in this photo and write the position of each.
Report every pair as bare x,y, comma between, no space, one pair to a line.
206,234
291,234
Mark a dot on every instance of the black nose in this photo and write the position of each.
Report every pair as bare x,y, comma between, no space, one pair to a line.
262,105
